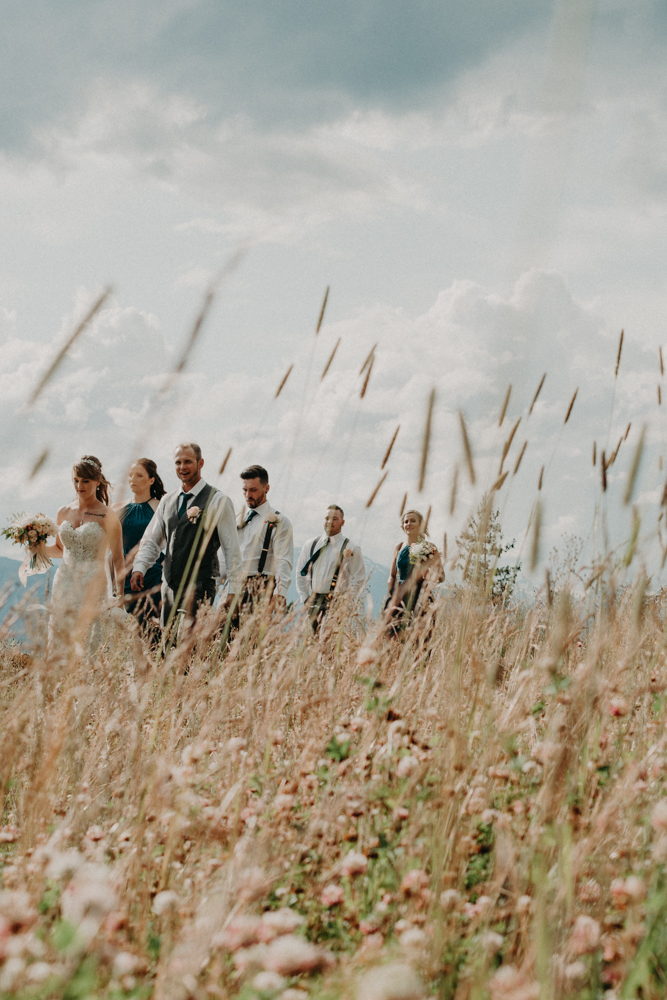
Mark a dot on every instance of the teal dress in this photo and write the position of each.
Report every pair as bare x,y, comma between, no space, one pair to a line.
135,518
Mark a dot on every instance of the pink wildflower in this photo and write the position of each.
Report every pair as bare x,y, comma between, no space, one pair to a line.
407,766
354,864
585,936
332,895
510,983
290,955
618,706
413,881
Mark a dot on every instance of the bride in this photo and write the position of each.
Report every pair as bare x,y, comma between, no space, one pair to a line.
87,530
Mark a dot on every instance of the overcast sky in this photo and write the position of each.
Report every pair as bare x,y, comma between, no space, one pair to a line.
482,185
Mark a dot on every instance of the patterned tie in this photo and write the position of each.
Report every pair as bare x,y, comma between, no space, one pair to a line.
183,504
315,556
253,513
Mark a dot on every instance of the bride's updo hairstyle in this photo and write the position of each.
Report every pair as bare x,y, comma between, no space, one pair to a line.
157,488
419,516
89,467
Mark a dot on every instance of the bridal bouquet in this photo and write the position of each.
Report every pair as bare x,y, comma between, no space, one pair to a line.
30,530
420,551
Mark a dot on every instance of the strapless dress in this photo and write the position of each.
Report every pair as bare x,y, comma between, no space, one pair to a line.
80,583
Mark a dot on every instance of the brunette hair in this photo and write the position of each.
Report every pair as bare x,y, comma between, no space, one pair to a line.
90,467
256,472
334,506
157,488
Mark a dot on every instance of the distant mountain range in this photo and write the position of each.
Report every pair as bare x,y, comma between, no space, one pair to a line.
14,592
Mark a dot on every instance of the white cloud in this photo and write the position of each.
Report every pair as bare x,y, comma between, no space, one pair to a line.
320,441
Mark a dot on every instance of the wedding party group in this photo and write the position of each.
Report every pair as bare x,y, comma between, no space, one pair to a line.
168,554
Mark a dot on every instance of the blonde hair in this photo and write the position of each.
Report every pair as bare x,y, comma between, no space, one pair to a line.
418,514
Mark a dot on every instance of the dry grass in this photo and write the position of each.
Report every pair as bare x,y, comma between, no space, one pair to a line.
479,803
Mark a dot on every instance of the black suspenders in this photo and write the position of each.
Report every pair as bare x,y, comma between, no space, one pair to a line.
265,548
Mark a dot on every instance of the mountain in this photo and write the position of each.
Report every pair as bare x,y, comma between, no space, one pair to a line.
377,583
12,592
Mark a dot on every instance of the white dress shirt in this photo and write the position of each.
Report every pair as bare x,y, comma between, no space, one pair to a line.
280,555
220,507
318,579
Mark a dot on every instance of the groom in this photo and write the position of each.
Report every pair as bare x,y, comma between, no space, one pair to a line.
190,525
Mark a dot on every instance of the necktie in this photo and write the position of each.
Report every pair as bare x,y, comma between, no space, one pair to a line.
315,556
253,513
183,504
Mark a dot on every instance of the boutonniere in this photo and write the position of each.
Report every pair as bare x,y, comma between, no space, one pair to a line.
271,518
193,514
347,553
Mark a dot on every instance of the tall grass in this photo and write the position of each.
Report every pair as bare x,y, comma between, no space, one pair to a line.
478,804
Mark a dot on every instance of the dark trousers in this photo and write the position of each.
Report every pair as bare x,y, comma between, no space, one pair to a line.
317,609
204,591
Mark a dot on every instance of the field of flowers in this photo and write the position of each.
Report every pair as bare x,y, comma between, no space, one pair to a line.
474,810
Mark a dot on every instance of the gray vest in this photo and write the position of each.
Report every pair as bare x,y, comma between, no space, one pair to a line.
184,539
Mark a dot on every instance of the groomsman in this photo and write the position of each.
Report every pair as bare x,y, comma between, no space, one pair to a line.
329,564
266,542
190,524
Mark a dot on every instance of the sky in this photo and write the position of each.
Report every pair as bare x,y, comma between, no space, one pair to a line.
482,186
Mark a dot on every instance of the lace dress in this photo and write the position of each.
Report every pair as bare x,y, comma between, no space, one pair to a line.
80,584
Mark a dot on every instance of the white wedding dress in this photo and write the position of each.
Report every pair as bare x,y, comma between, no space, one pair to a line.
80,585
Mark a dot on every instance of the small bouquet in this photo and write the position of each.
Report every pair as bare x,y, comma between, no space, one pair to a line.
31,530
421,551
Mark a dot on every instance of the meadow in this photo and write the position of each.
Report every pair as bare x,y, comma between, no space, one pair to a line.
474,810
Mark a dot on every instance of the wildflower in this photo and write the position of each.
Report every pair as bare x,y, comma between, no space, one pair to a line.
407,766
332,895
277,922
268,982
94,833
239,933
165,901
659,816
354,864
413,881
124,963
246,959
9,834
236,743
390,982
589,892
366,656
400,812
39,972
450,899
253,884
492,942
627,890
283,803
585,936
289,955
478,909
88,899
618,706
16,908
575,972
413,939
524,904
510,983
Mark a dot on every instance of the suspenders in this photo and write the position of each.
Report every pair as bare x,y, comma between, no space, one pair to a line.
339,564
265,547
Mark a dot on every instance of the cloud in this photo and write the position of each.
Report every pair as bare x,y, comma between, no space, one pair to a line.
290,63
320,441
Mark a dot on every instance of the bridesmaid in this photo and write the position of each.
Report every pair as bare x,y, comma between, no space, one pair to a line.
413,561
135,516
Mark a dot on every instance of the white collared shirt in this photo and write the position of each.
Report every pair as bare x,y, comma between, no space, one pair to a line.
318,580
280,555
221,507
